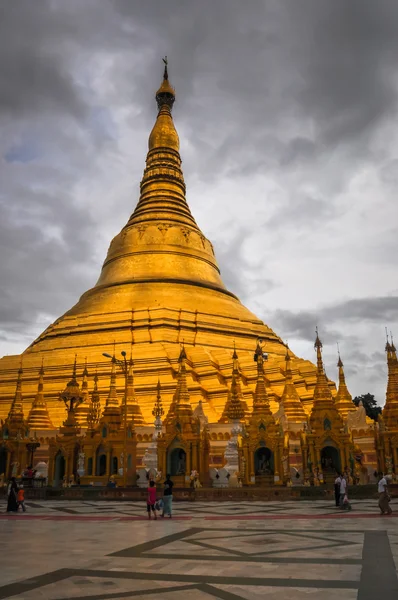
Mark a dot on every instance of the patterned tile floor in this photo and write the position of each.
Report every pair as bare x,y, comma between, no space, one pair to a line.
229,551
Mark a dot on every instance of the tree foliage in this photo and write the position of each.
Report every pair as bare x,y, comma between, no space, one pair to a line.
370,405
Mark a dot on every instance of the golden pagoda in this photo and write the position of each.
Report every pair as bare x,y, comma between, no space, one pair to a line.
81,412
15,424
291,407
181,448
134,412
388,424
234,409
161,282
343,399
262,444
328,444
38,418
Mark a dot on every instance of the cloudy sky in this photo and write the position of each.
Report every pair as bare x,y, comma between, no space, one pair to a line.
287,113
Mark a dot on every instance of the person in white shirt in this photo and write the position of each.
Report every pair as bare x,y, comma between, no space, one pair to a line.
384,498
343,490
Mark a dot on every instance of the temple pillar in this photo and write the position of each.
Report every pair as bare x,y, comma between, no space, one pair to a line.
7,473
195,466
188,467
277,466
251,466
395,455
108,463
50,472
67,467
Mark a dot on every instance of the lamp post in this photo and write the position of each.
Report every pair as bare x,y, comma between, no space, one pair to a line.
122,364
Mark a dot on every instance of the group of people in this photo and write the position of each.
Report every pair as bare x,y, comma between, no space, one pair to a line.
16,497
162,505
341,493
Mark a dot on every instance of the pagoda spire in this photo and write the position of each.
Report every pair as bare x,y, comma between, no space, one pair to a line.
15,421
234,409
343,399
261,405
180,407
162,234
324,412
158,411
94,412
38,416
112,399
290,400
112,411
134,412
82,410
71,396
390,410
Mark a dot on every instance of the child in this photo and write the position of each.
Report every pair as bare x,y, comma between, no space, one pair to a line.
151,500
21,498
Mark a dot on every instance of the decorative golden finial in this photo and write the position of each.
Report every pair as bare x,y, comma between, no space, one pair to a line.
158,411
393,349
165,96
94,413
318,348
339,362
165,74
183,354
235,355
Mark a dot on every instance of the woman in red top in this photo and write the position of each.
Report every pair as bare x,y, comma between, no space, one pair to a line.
151,500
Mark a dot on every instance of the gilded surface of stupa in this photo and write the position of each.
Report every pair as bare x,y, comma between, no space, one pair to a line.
160,286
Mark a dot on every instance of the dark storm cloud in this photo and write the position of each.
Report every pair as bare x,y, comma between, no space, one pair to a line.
302,324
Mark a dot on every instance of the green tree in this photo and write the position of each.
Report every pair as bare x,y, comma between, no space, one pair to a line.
370,405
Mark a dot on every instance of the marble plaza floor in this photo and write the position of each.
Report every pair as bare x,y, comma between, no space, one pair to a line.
231,551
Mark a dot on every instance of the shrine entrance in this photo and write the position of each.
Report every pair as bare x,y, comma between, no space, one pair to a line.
264,461
264,466
330,461
101,465
59,469
176,462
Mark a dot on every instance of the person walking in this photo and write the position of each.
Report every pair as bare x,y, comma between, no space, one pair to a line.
12,503
167,497
384,497
337,484
343,490
21,498
151,499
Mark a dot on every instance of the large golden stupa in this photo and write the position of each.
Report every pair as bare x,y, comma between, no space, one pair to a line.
160,287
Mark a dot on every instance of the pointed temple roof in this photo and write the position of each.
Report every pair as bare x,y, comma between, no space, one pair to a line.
112,401
134,412
261,407
16,421
343,399
390,410
323,405
158,410
290,400
94,412
81,412
162,269
234,409
181,408
38,416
